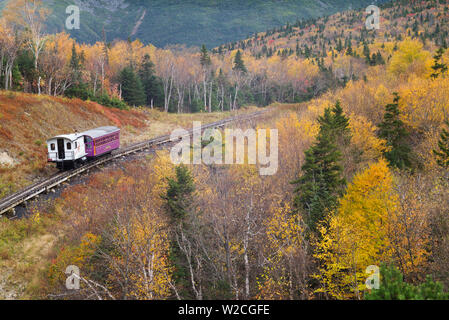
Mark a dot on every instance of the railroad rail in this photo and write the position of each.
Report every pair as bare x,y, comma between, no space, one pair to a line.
10,202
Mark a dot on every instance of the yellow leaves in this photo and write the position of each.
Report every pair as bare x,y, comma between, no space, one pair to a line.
284,230
36,218
382,95
357,233
372,225
272,289
26,12
61,44
149,241
410,58
282,226
299,72
237,248
76,255
364,138
370,195
295,135
246,176
410,231
290,128
317,107
425,103
126,206
125,183
163,168
88,244
285,242
301,69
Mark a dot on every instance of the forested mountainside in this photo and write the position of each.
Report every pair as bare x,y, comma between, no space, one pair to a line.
362,181
189,22
288,64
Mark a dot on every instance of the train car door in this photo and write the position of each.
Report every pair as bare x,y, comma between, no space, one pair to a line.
89,145
61,149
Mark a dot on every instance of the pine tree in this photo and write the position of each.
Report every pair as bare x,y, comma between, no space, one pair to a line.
442,155
179,202
336,125
239,65
205,58
132,88
393,130
78,88
179,196
393,287
349,51
339,45
151,83
438,67
321,184
318,189
367,53
340,127
75,66
378,60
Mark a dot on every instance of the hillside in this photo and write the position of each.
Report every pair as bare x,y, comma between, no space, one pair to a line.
361,145
191,22
27,121
329,37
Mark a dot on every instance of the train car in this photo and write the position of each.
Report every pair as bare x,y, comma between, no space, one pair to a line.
71,150
101,141
67,150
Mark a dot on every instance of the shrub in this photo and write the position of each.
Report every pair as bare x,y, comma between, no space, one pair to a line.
82,92
393,287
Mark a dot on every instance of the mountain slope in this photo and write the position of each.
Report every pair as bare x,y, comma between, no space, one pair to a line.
190,22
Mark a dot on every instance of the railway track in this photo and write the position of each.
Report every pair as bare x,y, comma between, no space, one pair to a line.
10,202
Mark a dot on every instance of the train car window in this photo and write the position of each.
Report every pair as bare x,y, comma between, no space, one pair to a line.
69,146
76,145
52,147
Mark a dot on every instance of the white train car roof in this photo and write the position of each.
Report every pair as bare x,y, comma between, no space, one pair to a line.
72,137
100,132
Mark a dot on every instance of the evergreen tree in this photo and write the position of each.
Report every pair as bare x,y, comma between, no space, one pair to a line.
442,155
78,88
132,89
75,66
393,287
179,196
438,67
340,125
239,65
317,187
339,45
367,53
25,62
349,51
393,130
17,78
204,57
152,85
378,59
321,184
179,202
